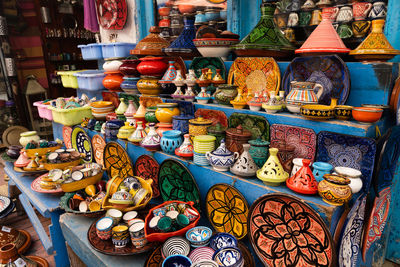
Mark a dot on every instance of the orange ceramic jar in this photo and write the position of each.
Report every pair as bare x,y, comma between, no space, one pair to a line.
166,111
113,81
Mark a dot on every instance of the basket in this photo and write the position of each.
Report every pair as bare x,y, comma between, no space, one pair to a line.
31,153
68,79
153,236
71,117
61,166
43,110
78,185
64,205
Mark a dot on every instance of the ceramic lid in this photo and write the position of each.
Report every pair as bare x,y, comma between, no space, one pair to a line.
204,138
238,132
222,150
258,142
167,105
200,121
152,44
216,129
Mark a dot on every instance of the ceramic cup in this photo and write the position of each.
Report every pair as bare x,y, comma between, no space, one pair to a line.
345,31
115,214
304,18
94,205
129,216
333,11
165,224
316,17
103,228
136,232
378,10
290,35
360,28
361,10
293,20
160,212
120,236
345,14
153,223
182,220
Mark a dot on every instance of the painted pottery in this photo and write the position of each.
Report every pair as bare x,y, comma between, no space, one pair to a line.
360,28
335,189
215,47
378,10
129,67
147,168
273,105
203,143
215,116
152,66
257,125
297,164
136,231
320,169
304,19
218,131
367,115
199,126
303,92
131,110
125,131
309,4
150,115
170,74
202,256
259,151
112,65
177,260
285,154
181,123
161,127
333,11
152,44
166,111
225,94
345,14
199,236
353,175
113,81
152,140
303,181
186,149
223,239
245,165
316,17
222,159
137,136
361,10
343,112
236,138
9,256
27,137
228,257
121,108
120,236
255,103
149,86
103,228
272,173
293,19
170,141
200,159
203,97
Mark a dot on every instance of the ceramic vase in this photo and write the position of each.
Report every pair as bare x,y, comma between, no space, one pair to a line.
245,165
170,141
200,159
222,159
259,151
240,100
320,169
163,127
186,149
203,97
272,173
191,78
335,189
152,66
149,86
353,175
113,81
137,136
111,130
304,93
27,137
303,181
129,67
378,10
152,140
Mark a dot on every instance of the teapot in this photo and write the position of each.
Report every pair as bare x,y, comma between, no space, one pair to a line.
304,93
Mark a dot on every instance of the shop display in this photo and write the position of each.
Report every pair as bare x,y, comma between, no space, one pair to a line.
117,161
257,125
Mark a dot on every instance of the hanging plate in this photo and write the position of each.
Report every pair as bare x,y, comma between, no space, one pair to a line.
285,231
66,133
98,144
255,75
177,183
147,167
81,143
227,210
155,259
213,115
257,125
35,186
117,161
112,14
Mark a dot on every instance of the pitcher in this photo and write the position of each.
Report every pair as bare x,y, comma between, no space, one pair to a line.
304,92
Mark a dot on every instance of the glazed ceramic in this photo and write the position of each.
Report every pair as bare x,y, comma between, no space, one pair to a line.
334,189
316,17
361,10
285,154
125,131
175,245
27,137
297,164
343,112
272,173
203,143
112,65
113,81
229,257
136,231
149,86
152,44
181,123
236,138
293,19
198,126
303,181
273,105
303,92
152,66
345,14
177,260
202,257
137,136
360,28
367,115
170,141
152,140
199,236
353,175
203,97
162,127
345,31
131,110
122,197
218,131
150,115
222,159
255,103
318,112
223,240
259,151
309,4
320,169
111,130
378,10
103,228
129,67
166,111
215,47
245,165
333,11
240,100
120,236
186,149
225,94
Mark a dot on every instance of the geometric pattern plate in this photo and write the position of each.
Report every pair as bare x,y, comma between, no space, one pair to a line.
257,125
66,132
155,259
81,143
303,139
285,231
227,210
177,183
117,161
147,167
98,144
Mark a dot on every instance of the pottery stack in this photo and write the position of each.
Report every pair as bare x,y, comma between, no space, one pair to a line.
114,77
151,70
202,145
131,75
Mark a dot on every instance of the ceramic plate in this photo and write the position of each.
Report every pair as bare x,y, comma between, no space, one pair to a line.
257,125
67,133
303,139
273,221
212,63
155,259
329,71
147,167
214,115
35,186
117,161
81,143
112,14
349,249
177,183
348,151
255,74
98,144
12,134
4,203
227,210
377,220
394,97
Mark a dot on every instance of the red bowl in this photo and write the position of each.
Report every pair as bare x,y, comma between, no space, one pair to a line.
367,115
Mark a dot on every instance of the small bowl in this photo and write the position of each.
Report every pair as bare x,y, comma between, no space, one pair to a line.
293,107
202,263
199,236
222,240
175,246
215,47
343,112
230,256
177,260
367,115
202,253
202,100
317,112
348,172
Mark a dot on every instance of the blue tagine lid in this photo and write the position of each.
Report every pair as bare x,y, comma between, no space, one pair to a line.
222,150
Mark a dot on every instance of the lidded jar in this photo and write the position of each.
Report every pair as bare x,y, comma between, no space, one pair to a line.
259,151
186,149
335,189
222,159
236,137
272,173
198,126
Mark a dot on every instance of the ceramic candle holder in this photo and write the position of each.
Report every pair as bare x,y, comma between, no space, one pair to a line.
272,173
303,181
320,169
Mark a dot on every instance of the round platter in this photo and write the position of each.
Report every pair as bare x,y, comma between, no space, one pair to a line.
177,183
147,167
67,133
155,259
98,144
12,134
273,221
81,143
4,203
117,161
20,238
112,14
35,186
29,173
227,210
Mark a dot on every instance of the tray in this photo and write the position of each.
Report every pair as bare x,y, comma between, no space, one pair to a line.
214,115
35,186
64,205
257,125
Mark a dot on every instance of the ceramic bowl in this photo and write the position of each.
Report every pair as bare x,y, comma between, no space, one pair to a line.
367,115
177,260
343,112
293,107
103,228
175,246
202,253
199,236
348,172
317,112
112,65
230,256
214,47
222,240
205,263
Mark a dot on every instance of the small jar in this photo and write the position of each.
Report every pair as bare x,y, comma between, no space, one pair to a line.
170,141
259,151
198,126
236,137
27,137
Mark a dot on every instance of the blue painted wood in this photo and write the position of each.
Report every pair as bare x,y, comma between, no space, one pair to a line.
57,130
243,16
392,27
58,241
144,17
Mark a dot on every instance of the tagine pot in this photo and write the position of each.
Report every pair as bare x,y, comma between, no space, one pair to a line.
152,66
272,173
113,81
335,189
149,86
259,151
186,149
152,44
222,159
245,165
129,67
152,140
303,181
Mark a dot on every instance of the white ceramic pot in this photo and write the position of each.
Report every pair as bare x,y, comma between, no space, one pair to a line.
255,108
354,175
26,137
112,65
294,108
222,162
297,164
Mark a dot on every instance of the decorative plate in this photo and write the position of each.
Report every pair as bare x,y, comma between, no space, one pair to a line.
227,210
303,139
12,134
212,63
20,238
98,144
350,244
81,142
35,186
348,151
112,14
285,231
67,133
4,203
155,259
339,226
147,168
329,71
117,161
255,74
177,183
214,115
29,173
112,97
247,256
377,220
257,125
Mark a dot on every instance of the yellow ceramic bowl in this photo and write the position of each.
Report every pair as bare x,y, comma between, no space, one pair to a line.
166,111
101,104
41,151
61,166
78,185
317,112
343,112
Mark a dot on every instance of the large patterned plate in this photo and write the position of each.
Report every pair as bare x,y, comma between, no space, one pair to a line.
98,144
147,168
81,142
177,183
227,210
255,74
117,161
214,115
329,71
112,14
257,125
35,186
285,231
348,151
303,139
66,133
349,249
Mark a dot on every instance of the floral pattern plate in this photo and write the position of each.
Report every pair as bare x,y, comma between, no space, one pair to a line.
117,161
147,167
285,231
349,249
81,143
35,186
214,115
348,151
66,133
255,74
227,210
257,125
177,183
155,259
303,139
329,71
112,14
98,144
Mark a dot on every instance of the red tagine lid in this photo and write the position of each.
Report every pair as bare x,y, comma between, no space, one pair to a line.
303,181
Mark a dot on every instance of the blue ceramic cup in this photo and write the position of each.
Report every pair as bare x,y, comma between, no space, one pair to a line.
320,169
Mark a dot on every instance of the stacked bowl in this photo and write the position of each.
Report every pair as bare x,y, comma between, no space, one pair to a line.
203,144
100,109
